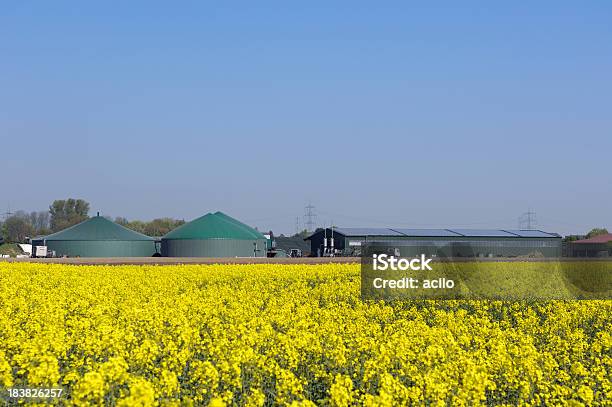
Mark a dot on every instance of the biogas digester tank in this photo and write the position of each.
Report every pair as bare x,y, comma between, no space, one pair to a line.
214,235
98,237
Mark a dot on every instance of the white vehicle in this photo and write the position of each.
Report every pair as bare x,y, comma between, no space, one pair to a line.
25,248
41,251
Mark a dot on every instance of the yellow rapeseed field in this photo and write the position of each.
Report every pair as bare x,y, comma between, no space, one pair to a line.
287,334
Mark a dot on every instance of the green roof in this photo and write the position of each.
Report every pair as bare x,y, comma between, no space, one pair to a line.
214,226
97,228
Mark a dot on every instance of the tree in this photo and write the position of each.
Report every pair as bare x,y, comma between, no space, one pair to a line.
65,213
137,226
161,226
39,222
156,227
596,232
304,233
119,220
17,228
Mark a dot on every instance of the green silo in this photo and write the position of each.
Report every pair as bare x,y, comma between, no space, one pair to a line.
214,235
98,237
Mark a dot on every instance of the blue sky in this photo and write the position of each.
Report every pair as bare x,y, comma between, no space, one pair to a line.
394,115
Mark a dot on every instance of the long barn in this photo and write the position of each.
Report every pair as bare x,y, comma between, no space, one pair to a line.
441,242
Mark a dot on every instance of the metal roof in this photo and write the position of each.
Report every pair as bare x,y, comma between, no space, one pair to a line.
367,232
408,232
427,232
97,228
214,226
531,233
484,233
596,239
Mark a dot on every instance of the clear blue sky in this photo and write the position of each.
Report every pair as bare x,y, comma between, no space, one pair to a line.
397,115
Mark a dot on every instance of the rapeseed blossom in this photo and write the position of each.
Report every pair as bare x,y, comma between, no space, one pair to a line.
298,335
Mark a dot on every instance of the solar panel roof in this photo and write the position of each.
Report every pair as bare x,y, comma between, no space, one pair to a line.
442,232
427,232
531,233
367,232
483,233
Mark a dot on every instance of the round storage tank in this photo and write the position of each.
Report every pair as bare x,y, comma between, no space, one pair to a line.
98,237
214,235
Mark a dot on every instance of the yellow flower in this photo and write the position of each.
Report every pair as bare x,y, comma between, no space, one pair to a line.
90,388
341,391
294,335
216,402
141,393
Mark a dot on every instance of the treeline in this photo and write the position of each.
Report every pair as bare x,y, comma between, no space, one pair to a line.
63,213
593,232
21,225
155,228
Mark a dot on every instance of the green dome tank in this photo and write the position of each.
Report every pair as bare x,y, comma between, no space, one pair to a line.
98,237
214,235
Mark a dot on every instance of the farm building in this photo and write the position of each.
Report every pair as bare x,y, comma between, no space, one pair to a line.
288,243
440,242
98,237
214,235
597,246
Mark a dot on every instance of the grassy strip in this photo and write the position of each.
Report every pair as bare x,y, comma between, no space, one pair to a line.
11,249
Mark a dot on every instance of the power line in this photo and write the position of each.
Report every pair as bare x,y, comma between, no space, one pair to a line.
527,220
309,217
364,221
8,213
297,225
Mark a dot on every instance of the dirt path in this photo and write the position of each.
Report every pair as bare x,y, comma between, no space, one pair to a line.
186,260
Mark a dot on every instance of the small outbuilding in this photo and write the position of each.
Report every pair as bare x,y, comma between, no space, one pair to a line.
597,246
97,237
214,235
